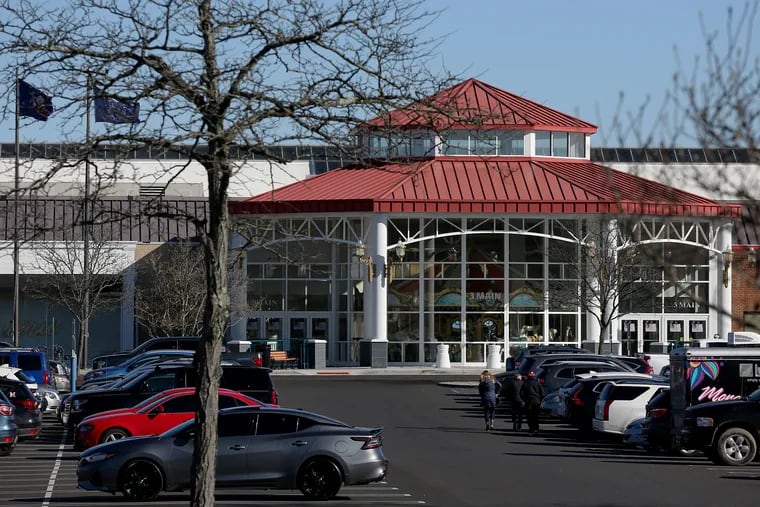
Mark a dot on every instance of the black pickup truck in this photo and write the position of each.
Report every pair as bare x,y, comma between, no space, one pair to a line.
250,380
726,431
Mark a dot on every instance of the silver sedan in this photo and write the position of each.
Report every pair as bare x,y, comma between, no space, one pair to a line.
267,447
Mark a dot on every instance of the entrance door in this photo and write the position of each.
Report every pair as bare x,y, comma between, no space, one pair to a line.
304,328
630,338
651,333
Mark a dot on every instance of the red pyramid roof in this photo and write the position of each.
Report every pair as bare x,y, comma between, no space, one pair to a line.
474,104
476,185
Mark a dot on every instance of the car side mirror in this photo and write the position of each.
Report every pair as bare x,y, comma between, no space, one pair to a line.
158,410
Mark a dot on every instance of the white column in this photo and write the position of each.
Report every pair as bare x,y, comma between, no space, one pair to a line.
378,250
127,331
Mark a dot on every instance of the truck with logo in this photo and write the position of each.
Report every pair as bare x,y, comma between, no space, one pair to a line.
704,375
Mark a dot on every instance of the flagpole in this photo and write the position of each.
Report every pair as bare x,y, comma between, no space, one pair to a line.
85,332
15,225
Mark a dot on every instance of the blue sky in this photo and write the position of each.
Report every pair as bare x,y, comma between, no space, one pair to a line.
579,56
574,56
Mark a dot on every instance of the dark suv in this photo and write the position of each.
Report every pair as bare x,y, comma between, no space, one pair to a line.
554,376
28,415
513,363
534,363
161,342
727,431
249,380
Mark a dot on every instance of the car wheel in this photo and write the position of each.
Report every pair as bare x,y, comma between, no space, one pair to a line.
113,434
141,481
6,449
736,447
320,479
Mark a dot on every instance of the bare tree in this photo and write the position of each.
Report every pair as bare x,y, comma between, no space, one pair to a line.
610,276
65,282
213,76
170,292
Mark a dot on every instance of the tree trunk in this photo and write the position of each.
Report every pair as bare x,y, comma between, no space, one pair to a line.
208,357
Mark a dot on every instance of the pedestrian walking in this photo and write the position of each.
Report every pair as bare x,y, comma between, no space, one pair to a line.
489,389
532,393
513,395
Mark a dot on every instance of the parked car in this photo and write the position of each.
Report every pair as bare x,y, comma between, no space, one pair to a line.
61,376
727,431
49,398
8,427
635,434
553,376
18,374
156,415
580,400
33,362
660,363
28,416
558,375
145,358
249,380
622,401
161,342
513,363
638,363
536,362
272,448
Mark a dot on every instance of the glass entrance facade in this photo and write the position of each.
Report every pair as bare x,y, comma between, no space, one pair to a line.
467,282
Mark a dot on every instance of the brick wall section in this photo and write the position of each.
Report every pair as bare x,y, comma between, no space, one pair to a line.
745,294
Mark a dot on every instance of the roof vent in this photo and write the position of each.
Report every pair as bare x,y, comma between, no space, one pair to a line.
151,191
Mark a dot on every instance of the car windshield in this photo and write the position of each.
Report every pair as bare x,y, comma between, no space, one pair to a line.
147,404
126,379
24,377
754,396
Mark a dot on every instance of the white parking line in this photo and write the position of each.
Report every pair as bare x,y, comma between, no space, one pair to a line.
56,467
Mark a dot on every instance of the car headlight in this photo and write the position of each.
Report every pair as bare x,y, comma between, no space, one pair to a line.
77,405
97,457
84,428
51,395
705,422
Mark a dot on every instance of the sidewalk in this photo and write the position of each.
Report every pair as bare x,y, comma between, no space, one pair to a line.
471,371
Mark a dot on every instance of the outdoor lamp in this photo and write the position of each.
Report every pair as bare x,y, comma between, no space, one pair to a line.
400,251
360,253
752,257
728,256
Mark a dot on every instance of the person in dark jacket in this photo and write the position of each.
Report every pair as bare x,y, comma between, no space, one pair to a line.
532,393
488,388
516,402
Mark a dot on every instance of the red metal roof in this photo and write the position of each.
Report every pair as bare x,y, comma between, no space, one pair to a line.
474,104
478,185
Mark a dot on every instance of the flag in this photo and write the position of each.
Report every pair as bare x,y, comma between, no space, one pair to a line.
33,102
112,110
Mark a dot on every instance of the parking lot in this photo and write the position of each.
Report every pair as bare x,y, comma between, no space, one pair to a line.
439,456
43,472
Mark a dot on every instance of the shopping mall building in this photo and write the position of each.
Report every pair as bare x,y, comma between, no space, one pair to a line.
471,223
480,234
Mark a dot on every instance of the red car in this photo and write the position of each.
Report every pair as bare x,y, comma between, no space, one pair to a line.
151,417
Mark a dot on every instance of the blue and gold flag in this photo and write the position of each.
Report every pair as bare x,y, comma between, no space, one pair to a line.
33,102
113,110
